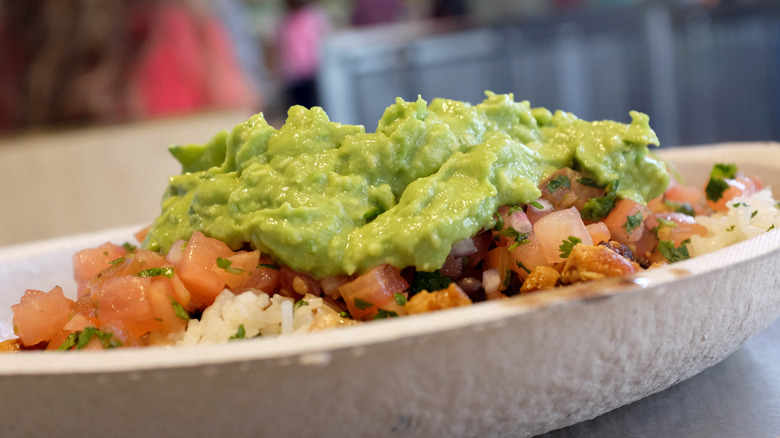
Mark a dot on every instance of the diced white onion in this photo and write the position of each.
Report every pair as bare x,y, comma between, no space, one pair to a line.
463,248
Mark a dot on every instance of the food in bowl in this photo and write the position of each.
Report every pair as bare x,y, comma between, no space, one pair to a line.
271,232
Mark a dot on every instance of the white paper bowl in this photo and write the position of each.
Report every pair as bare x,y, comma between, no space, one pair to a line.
516,367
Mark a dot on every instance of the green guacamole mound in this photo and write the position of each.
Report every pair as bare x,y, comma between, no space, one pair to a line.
328,199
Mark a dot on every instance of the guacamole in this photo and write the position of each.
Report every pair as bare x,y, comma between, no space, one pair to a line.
328,199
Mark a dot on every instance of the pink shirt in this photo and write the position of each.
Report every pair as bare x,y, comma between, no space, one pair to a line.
299,41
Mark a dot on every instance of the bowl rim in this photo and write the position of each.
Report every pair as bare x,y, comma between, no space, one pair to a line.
317,348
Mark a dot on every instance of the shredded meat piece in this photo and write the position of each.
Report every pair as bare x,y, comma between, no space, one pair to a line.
594,262
540,278
452,296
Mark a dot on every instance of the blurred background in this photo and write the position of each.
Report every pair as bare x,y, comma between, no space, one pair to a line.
93,91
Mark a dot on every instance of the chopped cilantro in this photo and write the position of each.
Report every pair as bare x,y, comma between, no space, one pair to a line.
268,265
731,228
721,170
129,247
430,281
672,253
633,221
567,246
597,209
717,184
299,304
79,340
590,182
558,182
538,205
515,208
156,272
345,314
178,309
240,333
69,342
400,299
362,305
771,228
680,207
117,261
739,204
522,266
499,222
384,314
227,266
518,237
753,214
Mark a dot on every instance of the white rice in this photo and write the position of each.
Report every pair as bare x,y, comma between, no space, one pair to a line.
259,314
746,217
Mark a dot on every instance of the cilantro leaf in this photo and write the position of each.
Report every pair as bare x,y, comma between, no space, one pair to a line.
156,272
430,281
226,264
362,305
178,309
537,205
300,303
384,314
522,266
633,221
680,207
589,182
79,340
672,253
400,299
558,182
568,245
717,184
240,333
596,209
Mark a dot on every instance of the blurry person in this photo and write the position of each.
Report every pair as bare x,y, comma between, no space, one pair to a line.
86,61
186,62
300,33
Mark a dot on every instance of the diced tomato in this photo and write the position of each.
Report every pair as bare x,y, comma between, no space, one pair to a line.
557,228
599,232
197,268
645,245
684,194
264,278
141,234
89,262
680,227
625,220
41,315
742,185
499,258
238,269
374,289
140,304
528,256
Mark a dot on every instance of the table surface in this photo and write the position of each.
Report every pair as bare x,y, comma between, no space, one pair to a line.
739,397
